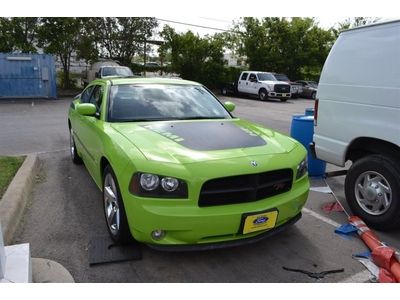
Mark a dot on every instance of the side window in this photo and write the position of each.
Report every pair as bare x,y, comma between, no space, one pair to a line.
86,95
252,77
97,96
244,76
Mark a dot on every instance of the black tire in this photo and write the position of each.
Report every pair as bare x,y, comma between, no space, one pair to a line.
313,95
72,149
366,198
118,230
224,91
283,99
263,94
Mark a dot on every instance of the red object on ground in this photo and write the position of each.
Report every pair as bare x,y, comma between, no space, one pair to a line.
382,255
385,276
334,206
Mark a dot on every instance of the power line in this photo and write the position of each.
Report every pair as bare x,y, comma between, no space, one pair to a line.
194,25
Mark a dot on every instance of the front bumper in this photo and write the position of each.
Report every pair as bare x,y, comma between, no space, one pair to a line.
232,243
185,223
279,95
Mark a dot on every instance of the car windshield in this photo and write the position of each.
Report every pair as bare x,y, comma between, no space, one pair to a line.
281,77
117,71
265,76
154,102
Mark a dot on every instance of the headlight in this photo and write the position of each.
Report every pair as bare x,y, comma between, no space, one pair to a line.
157,186
301,168
149,182
169,184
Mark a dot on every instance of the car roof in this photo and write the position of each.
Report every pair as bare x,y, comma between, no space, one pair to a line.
155,80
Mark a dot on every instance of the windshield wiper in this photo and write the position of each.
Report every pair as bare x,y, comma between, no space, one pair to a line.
201,118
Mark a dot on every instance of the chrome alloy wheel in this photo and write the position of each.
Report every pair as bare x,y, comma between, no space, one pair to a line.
111,207
71,143
373,193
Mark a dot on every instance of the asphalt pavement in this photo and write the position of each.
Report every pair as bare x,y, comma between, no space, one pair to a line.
65,212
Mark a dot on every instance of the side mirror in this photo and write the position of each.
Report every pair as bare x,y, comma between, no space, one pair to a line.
229,106
86,109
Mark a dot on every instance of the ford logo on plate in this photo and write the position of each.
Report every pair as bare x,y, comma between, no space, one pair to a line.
260,220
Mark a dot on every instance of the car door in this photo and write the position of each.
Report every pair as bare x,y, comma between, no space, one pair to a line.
91,131
254,84
243,83
77,122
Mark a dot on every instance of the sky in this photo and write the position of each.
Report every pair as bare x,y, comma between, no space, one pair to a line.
221,22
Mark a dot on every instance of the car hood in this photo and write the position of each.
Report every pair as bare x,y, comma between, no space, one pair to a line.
203,140
274,82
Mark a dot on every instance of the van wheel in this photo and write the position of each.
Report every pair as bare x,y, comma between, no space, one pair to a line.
263,95
372,189
313,95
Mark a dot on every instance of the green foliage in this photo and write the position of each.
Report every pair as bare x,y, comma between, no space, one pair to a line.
115,38
193,57
18,34
9,167
60,36
296,46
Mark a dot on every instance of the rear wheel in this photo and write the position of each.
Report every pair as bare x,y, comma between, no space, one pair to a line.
72,147
372,188
114,209
263,95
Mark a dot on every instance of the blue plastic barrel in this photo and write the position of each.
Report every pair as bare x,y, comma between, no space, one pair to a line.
309,111
302,129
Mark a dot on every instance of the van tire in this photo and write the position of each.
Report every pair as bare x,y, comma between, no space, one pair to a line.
369,181
263,94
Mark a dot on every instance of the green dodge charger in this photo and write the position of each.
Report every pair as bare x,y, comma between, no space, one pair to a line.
178,171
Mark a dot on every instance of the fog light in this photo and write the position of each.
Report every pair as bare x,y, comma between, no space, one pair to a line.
158,234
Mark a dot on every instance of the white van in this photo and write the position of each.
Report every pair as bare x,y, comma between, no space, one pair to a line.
357,119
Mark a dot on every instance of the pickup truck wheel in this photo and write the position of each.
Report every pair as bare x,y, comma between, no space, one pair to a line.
372,189
114,210
313,95
263,95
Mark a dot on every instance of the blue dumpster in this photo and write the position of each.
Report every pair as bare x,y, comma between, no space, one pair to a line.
302,129
309,111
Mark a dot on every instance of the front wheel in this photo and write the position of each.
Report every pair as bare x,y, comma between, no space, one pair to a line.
114,210
263,95
372,189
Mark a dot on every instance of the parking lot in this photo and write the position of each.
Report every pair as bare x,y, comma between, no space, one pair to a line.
65,212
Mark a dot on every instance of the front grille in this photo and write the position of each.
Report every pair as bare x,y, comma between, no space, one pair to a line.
282,88
245,188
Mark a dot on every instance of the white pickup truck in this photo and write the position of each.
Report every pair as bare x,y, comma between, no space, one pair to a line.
261,84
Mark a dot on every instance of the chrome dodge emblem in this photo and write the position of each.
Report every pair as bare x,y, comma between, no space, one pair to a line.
254,163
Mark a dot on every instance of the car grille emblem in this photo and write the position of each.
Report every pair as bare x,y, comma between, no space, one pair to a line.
254,163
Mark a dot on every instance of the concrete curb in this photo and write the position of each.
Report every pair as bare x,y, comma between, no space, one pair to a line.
49,271
13,203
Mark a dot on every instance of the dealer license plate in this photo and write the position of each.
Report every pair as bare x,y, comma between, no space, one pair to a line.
259,221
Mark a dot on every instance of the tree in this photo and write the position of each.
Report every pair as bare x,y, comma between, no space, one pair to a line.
296,46
115,38
60,36
194,58
18,34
